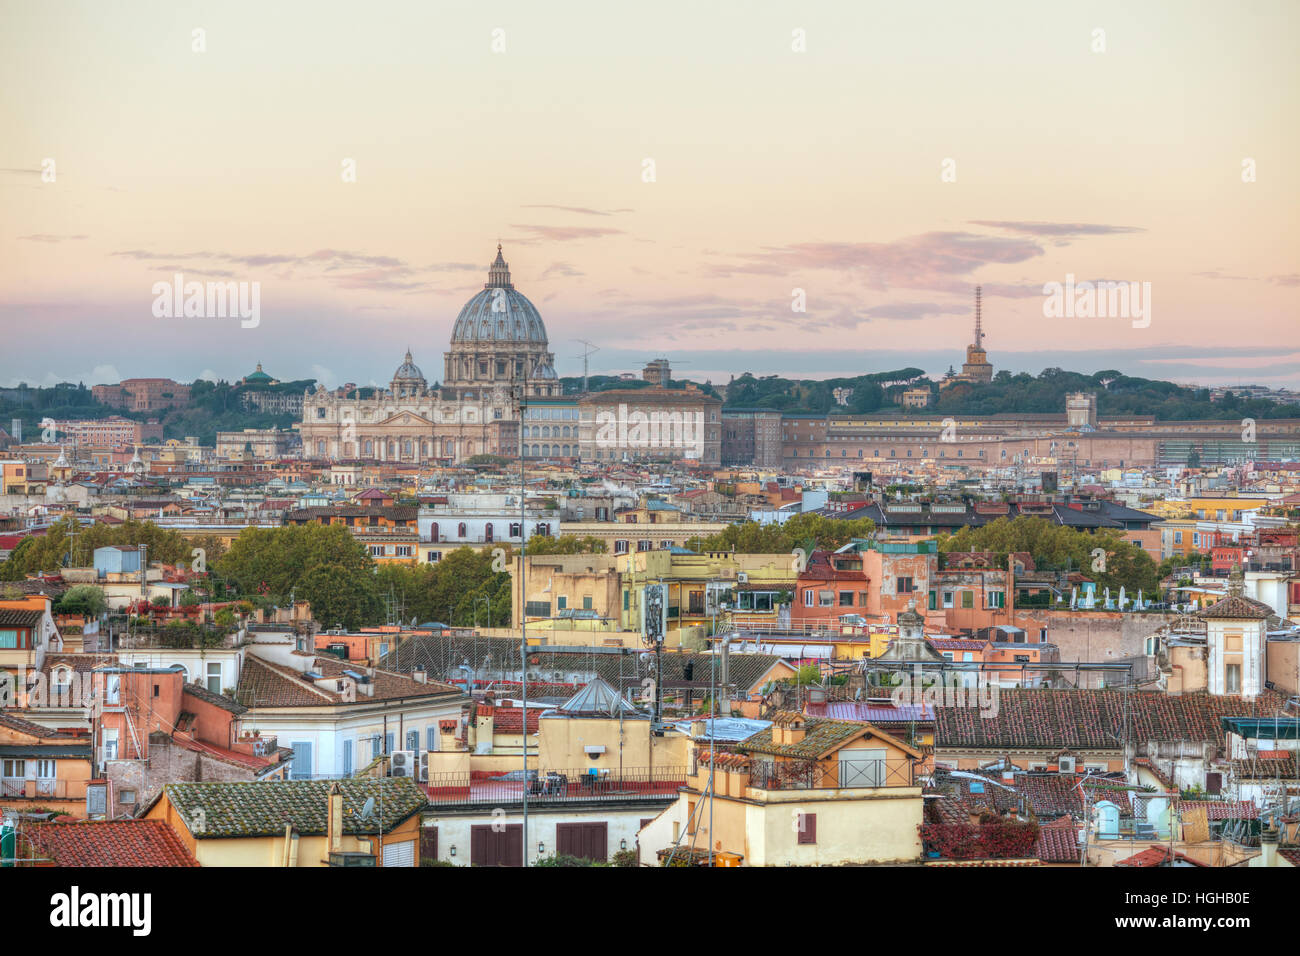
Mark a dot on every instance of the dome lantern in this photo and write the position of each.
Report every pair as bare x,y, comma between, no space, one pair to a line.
499,313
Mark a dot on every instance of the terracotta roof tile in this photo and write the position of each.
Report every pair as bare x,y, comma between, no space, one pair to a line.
17,617
1238,609
1220,809
110,843
27,727
1156,856
509,720
821,735
1041,719
263,808
217,700
264,684
1058,844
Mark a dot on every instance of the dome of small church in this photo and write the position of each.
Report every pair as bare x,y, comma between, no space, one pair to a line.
257,377
498,314
408,371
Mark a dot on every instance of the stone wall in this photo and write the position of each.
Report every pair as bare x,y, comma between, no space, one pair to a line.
167,763
1100,636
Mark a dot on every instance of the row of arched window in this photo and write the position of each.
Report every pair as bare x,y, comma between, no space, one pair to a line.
405,450
489,531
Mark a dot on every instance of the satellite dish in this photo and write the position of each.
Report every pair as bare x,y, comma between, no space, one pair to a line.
368,808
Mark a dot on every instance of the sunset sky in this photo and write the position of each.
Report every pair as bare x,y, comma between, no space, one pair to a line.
774,170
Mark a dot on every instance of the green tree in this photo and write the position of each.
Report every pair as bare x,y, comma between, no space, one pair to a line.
65,544
272,560
806,531
566,544
339,595
460,590
1058,547
83,599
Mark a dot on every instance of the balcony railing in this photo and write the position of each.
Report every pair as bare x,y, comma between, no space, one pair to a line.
204,636
13,787
555,786
849,774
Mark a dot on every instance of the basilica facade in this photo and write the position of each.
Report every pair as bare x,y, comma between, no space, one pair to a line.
497,340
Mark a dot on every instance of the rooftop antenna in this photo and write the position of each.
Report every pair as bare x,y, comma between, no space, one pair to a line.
590,350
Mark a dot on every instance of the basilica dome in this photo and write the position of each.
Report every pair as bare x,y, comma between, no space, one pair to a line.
408,371
500,314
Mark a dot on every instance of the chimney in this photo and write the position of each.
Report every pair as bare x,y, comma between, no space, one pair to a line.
1268,840
420,675
335,822
790,727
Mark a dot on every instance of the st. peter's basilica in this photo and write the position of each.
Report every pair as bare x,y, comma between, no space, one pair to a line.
498,338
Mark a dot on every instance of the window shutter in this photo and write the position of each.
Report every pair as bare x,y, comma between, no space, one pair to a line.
428,843
808,828
301,769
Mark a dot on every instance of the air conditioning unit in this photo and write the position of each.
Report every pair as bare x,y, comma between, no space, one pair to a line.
424,766
402,764
1065,764
742,577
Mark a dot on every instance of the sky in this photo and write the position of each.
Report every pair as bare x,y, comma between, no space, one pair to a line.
666,179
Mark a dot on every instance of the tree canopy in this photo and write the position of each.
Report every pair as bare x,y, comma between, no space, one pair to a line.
322,564
460,589
1059,547
65,544
566,544
806,531
85,599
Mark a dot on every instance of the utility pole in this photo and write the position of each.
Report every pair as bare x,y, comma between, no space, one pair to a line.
523,598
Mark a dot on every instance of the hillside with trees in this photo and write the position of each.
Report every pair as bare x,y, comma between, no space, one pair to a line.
1008,394
213,407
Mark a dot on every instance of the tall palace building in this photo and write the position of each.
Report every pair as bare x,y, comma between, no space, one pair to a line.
498,338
